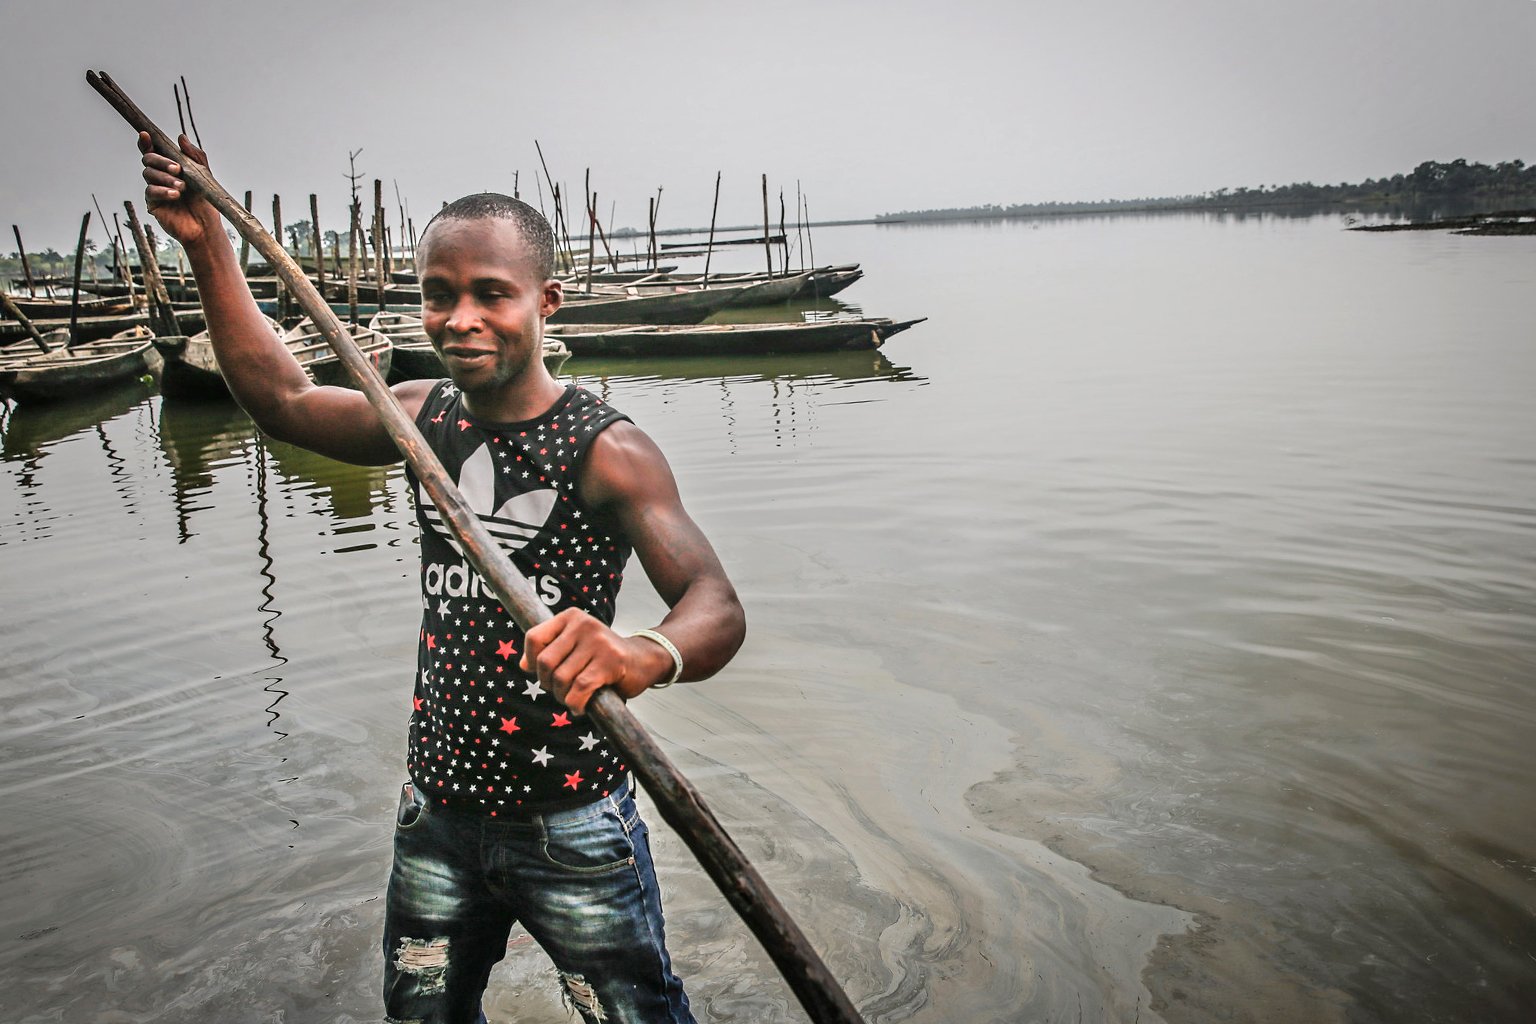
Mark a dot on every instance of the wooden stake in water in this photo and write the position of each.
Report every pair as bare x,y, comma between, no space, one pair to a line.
799,227
162,315
767,243
379,244
352,241
679,802
709,250
277,233
319,243
245,243
74,305
26,267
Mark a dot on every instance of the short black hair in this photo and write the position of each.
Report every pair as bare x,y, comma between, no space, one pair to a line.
530,223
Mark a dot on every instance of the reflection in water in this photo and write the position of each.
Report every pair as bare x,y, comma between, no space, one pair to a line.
334,488
198,438
268,606
794,383
32,426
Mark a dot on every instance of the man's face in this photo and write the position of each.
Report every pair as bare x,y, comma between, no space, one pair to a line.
483,301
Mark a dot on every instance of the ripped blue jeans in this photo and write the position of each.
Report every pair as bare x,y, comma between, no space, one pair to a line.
579,881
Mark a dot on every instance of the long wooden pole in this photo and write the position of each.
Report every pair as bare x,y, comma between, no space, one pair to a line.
799,225
379,243
680,804
277,234
709,250
163,316
352,241
74,304
26,267
245,243
767,244
314,226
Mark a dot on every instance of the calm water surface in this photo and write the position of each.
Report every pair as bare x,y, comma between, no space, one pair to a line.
1149,635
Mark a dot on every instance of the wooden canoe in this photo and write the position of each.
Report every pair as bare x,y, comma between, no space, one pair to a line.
57,308
312,351
685,305
726,339
87,328
66,372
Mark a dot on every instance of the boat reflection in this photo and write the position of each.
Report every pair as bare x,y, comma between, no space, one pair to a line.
852,367
32,426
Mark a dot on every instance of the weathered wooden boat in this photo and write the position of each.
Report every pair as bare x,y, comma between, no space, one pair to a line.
687,305
727,339
400,296
312,351
69,372
414,358
57,307
817,282
87,328
189,369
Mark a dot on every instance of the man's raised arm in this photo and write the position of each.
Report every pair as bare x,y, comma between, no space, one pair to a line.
262,374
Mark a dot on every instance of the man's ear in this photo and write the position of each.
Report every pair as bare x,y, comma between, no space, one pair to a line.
554,295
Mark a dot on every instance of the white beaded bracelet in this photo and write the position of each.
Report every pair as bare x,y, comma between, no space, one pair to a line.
667,645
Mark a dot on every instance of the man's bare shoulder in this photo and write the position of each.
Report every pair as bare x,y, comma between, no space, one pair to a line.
625,466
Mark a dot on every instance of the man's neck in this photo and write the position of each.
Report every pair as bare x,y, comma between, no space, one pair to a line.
527,398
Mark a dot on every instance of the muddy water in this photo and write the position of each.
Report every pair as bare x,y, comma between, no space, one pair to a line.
1149,635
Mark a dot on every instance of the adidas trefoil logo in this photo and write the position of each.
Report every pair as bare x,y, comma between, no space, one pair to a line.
516,522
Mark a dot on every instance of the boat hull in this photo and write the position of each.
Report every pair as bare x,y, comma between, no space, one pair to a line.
726,339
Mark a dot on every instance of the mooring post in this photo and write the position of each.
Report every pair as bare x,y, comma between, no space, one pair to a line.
799,226
379,243
74,305
26,267
352,240
767,245
314,224
162,314
245,243
709,250
277,233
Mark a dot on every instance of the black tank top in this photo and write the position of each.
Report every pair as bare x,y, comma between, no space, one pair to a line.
484,735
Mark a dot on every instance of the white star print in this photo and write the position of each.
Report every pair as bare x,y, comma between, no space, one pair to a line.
588,741
542,756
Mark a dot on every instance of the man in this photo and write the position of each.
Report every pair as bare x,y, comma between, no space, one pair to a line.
516,809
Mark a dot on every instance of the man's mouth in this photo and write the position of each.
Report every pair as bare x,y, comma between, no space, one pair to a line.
465,356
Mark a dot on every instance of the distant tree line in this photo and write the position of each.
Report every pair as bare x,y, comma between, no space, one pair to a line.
1431,179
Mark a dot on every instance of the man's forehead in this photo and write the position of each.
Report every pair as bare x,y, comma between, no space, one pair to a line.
493,240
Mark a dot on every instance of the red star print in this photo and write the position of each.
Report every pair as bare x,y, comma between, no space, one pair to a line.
504,648
573,780
509,725
431,642
415,703
463,425
561,719
439,417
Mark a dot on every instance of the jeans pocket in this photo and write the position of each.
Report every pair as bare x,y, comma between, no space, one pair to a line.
411,809
591,846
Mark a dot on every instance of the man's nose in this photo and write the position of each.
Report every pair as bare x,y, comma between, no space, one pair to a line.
464,317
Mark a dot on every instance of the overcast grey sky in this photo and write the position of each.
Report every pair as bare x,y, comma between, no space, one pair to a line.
874,107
